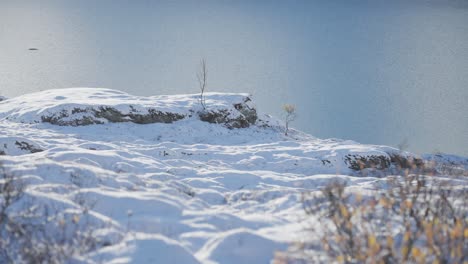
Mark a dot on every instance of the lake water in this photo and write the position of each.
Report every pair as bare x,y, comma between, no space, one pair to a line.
380,72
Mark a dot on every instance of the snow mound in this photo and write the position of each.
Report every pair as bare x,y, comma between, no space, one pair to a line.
159,249
87,106
240,246
452,164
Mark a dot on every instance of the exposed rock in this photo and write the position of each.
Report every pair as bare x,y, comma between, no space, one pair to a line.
102,114
223,117
249,113
402,162
358,162
243,116
62,118
381,162
153,116
246,116
26,146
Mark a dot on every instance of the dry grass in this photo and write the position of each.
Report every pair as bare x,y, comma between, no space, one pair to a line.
37,232
410,219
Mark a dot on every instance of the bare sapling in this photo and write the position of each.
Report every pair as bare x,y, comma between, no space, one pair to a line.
202,76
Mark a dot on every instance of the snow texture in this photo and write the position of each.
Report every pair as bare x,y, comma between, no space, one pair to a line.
187,191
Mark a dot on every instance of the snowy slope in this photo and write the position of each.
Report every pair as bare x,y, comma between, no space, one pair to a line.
185,191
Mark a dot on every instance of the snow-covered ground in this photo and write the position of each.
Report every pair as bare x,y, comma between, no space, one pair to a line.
171,185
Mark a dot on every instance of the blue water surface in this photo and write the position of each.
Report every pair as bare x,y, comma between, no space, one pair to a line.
379,72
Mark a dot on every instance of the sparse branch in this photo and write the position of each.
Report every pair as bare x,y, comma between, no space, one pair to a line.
202,76
38,232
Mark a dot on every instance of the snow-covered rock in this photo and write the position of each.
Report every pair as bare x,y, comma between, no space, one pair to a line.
87,106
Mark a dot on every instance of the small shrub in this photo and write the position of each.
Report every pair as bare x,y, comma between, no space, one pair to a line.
413,219
290,115
35,232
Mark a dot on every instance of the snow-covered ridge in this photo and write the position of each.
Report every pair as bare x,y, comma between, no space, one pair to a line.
189,191
89,106
86,106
